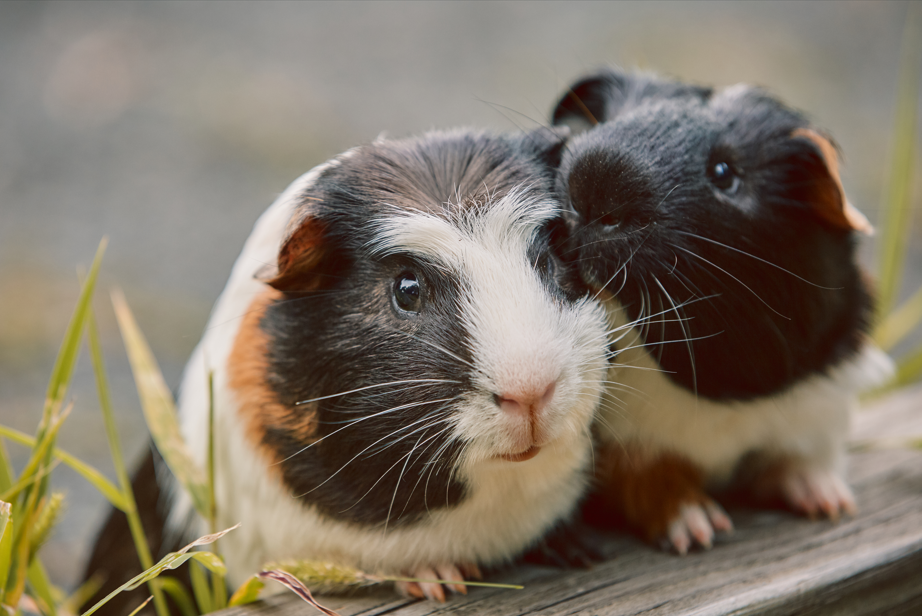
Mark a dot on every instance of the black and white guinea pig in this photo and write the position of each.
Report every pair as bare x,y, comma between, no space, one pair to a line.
405,374
714,225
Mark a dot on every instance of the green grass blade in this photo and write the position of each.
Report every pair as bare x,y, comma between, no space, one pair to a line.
6,469
247,593
43,448
219,591
105,404
140,607
895,218
52,419
126,494
6,546
201,589
170,561
466,583
160,410
219,588
67,355
900,323
213,510
20,486
26,507
178,593
19,564
93,476
41,587
83,593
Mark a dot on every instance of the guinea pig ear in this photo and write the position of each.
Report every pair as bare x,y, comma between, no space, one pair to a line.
587,102
834,207
297,268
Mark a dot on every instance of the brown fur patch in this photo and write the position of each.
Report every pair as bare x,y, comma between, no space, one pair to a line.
836,209
248,371
643,491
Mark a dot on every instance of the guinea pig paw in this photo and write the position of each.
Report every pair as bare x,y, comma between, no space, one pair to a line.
816,492
448,576
470,571
697,523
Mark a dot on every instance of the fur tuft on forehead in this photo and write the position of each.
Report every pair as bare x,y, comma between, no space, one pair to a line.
429,173
507,223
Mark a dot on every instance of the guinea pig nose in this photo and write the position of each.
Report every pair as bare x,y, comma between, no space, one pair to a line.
527,402
608,188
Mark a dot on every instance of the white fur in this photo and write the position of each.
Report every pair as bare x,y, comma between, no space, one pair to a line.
518,332
809,421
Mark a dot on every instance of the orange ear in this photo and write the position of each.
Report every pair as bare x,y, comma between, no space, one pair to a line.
298,259
837,211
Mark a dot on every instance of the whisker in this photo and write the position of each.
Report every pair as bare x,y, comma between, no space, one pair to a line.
376,385
752,256
399,478
734,278
356,456
688,344
646,344
436,347
361,419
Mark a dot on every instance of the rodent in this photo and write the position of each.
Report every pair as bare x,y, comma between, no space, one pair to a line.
714,225
405,372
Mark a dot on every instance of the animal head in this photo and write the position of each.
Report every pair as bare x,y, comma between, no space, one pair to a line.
719,222
417,325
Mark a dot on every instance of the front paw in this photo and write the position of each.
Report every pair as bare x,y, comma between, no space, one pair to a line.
816,492
437,579
660,495
696,523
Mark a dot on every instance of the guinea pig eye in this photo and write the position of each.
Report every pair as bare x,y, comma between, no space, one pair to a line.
407,292
724,178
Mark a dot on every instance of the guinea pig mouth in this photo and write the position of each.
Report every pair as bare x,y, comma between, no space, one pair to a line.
528,454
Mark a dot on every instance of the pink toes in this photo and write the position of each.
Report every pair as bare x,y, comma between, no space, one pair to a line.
437,580
697,523
817,492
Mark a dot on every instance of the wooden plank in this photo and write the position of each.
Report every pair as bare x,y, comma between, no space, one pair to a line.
775,563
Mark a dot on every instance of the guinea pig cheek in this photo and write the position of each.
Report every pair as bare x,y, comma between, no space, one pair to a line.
528,383
258,406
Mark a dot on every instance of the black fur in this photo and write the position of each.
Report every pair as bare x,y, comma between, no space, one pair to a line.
765,292
347,332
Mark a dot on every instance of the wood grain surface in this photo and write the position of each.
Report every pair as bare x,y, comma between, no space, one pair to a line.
774,563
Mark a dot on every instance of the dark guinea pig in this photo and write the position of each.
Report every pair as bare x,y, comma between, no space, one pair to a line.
714,225
405,374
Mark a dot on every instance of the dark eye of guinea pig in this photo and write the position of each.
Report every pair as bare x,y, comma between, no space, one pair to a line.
724,178
407,294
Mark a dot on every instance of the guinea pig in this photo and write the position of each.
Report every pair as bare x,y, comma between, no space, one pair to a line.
405,374
714,225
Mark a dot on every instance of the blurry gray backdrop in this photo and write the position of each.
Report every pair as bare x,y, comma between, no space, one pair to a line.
169,126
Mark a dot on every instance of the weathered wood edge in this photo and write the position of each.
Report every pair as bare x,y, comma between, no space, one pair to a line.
774,564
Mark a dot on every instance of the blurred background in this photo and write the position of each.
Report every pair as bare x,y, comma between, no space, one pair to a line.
170,126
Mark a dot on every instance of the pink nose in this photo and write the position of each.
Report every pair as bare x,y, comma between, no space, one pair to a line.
528,403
